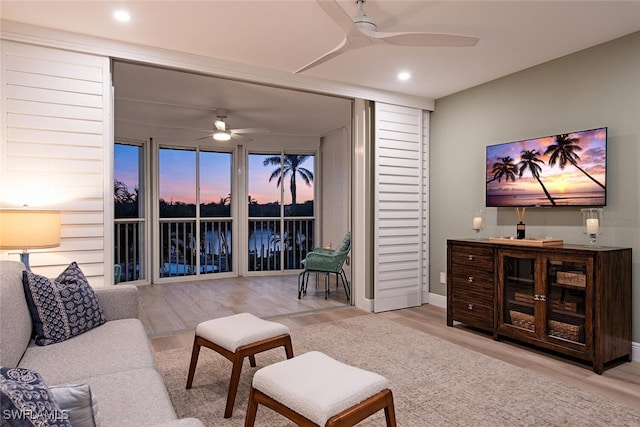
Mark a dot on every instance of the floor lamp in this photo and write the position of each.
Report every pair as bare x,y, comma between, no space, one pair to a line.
29,229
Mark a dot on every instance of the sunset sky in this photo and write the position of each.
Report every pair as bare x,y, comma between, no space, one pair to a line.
178,176
556,180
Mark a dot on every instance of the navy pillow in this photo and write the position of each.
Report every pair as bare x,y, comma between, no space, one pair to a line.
26,401
61,308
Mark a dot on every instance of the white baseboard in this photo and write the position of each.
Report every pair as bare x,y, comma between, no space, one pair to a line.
441,301
438,300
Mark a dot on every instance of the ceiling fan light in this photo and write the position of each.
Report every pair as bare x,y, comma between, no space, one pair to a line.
222,136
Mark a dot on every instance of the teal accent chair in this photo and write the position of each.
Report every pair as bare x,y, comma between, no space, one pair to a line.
117,271
327,261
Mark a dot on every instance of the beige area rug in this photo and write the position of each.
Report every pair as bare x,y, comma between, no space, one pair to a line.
434,382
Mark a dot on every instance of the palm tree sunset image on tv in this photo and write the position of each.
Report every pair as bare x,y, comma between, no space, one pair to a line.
560,170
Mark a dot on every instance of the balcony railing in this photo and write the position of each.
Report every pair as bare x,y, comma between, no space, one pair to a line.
129,249
273,245
182,254
272,248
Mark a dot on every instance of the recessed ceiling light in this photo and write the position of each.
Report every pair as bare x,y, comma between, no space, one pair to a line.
122,16
404,75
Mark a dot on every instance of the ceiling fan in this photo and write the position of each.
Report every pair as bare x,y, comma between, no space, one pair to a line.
222,131
361,31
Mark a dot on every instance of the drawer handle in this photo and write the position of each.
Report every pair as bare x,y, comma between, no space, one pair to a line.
470,307
470,279
470,257
539,297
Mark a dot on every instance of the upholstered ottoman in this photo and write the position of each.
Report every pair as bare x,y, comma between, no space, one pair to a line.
236,337
315,390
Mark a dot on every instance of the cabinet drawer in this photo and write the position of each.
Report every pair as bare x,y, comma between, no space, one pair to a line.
473,294
471,277
473,257
473,313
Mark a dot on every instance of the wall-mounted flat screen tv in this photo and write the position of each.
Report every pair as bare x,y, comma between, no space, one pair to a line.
558,170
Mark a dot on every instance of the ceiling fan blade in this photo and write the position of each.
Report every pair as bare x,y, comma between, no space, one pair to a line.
210,136
423,39
250,130
240,138
341,48
337,14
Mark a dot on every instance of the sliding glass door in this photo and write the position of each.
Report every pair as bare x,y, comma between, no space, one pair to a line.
194,207
281,210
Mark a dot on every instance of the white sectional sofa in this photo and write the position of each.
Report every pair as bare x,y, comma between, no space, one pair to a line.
115,359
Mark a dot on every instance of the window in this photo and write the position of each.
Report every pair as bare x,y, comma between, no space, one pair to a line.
281,210
195,212
129,212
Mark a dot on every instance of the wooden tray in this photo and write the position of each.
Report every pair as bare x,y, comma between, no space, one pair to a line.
529,241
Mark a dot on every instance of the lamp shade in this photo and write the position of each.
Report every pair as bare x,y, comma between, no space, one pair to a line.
29,229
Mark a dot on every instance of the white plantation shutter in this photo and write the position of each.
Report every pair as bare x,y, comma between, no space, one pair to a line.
401,227
56,151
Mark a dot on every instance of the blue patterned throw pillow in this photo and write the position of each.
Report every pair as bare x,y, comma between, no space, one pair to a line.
61,308
26,401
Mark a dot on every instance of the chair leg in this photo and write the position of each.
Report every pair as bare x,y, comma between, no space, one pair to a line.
233,384
300,282
306,283
327,288
345,284
194,361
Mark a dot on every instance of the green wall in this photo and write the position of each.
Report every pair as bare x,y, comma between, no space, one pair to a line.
599,86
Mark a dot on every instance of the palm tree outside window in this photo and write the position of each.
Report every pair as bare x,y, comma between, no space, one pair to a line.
281,210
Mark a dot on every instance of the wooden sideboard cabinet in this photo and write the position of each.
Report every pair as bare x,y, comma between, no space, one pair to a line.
570,299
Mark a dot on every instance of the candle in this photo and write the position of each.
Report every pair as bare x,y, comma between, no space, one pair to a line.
477,222
592,225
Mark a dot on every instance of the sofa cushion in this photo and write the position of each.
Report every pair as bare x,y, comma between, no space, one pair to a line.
61,308
117,345
79,404
15,320
144,387
26,401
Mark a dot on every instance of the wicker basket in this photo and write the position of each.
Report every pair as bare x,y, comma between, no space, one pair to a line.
571,278
522,320
565,330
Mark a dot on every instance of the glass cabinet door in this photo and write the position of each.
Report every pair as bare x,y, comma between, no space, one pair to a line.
519,286
567,282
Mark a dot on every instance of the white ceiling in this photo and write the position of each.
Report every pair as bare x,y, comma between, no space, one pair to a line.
285,35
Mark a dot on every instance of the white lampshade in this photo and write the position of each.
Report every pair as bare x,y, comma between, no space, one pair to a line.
29,229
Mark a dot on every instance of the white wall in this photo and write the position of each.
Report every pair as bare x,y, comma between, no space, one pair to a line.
56,151
596,87
335,158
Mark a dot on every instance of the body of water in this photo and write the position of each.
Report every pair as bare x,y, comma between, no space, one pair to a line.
518,200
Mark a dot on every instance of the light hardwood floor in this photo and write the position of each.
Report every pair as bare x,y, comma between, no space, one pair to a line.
170,313
167,309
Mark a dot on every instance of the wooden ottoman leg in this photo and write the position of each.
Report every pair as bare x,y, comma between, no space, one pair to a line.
252,409
390,411
194,361
288,347
233,384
